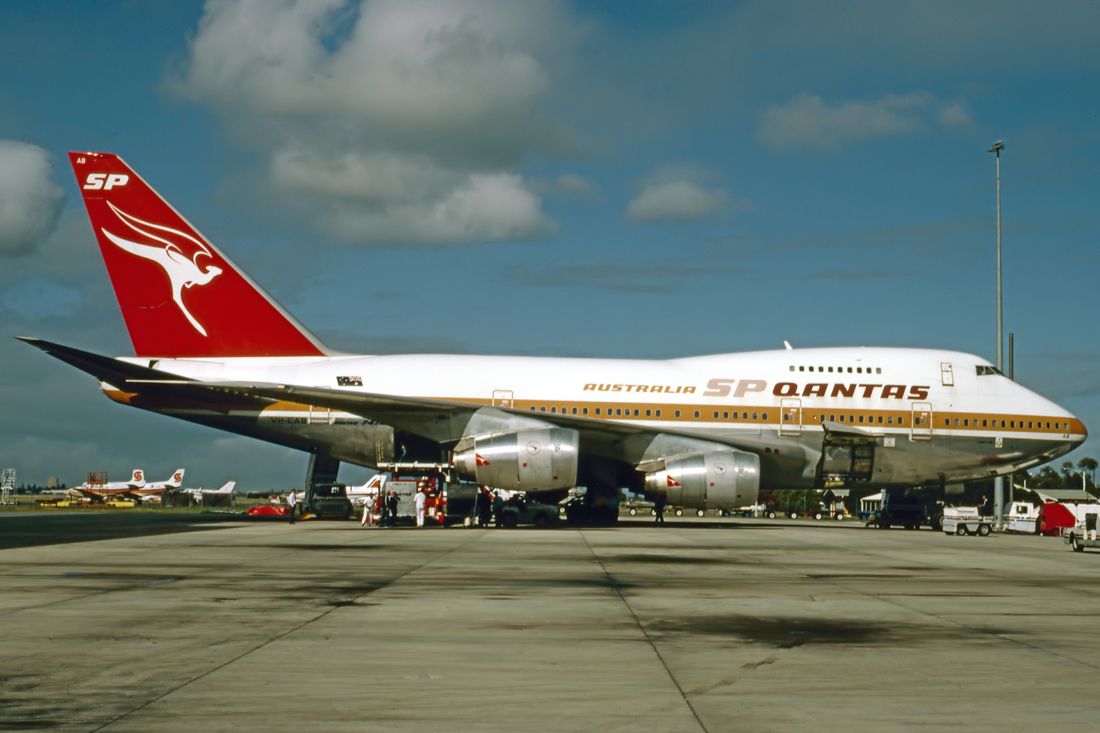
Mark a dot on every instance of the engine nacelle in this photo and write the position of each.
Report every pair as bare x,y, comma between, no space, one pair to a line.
532,459
715,480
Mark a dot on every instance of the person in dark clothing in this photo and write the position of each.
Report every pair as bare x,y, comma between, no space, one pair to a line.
391,503
498,509
985,507
483,506
659,508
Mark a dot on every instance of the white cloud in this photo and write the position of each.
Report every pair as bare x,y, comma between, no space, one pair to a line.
575,185
678,198
495,206
399,110
30,200
807,122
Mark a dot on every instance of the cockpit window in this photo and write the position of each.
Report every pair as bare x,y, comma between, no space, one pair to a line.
985,371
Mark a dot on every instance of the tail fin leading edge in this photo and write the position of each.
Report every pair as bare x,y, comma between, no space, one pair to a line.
179,295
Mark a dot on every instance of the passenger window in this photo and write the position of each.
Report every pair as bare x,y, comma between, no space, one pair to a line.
658,413
861,418
801,368
597,411
878,370
859,370
635,413
696,413
811,369
830,370
725,416
792,367
889,419
754,416
584,410
648,413
677,413
764,416
716,414
553,409
985,423
618,411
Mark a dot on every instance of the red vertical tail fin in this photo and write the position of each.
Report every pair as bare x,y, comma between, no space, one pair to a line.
179,295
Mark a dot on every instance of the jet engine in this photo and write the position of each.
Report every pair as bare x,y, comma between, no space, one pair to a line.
533,459
724,479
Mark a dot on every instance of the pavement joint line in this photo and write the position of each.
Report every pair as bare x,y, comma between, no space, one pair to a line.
645,634
885,598
282,635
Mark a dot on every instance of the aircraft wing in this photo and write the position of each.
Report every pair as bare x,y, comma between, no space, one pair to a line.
435,419
444,420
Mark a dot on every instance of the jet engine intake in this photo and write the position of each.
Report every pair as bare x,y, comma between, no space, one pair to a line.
533,459
715,480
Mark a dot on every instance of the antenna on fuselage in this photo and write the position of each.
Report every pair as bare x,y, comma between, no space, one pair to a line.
788,345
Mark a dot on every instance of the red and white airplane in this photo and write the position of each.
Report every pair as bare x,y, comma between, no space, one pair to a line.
152,491
707,431
111,488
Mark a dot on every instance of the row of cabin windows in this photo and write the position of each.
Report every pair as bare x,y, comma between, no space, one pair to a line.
838,370
1031,424
636,412
869,419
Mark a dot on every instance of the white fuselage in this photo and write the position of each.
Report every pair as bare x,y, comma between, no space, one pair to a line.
926,402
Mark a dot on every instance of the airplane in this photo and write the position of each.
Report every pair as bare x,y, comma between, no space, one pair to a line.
152,491
374,487
111,489
201,494
213,348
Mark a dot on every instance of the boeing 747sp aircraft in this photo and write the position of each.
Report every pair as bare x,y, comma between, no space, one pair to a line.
213,348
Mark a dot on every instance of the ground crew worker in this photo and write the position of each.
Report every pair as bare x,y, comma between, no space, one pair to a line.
292,502
420,499
659,508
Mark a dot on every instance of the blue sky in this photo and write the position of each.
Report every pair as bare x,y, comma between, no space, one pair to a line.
606,179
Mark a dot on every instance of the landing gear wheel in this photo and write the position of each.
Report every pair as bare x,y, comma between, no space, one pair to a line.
983,530
1076,544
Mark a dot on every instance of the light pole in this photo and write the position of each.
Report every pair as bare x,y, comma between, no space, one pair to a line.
998,482
996,149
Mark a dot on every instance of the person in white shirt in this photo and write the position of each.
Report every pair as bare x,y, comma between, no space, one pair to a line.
420,499
292,502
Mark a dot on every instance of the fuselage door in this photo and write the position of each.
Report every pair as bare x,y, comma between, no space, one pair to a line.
790,410
947,374
321,416
922,421
503,398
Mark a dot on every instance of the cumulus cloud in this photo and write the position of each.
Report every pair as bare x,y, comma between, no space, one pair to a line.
677,198
30,200
807,122
413,117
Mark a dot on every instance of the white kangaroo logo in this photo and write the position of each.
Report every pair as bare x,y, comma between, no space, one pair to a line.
183,271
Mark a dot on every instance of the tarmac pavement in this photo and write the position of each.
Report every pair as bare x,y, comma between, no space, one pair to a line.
744,625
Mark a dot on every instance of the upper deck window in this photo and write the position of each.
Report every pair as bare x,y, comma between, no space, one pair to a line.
985,370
